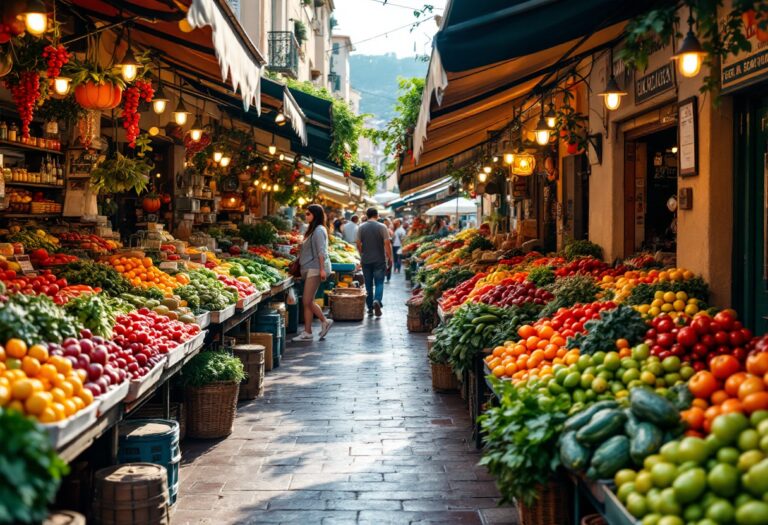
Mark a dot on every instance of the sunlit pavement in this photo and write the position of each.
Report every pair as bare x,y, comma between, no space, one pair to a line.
348,431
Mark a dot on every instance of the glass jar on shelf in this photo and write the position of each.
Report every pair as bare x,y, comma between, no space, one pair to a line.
13,132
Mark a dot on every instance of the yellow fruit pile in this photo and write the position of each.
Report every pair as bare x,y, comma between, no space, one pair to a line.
36,384
141,272
623,285
674,304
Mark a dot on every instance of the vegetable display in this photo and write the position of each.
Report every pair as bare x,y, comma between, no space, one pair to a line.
206,292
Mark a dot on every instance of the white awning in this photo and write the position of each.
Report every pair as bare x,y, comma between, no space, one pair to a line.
236,61
457,206
295,115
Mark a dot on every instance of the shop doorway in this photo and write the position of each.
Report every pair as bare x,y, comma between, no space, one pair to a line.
650,190
750,247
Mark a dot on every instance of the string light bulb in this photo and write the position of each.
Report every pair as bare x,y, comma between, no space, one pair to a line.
225,160
35,17
61,85
302,201
691,54
264,167
217,156
280,118
159,100
272,149
276,187
281,157
542,130
482,176
551,116
196,133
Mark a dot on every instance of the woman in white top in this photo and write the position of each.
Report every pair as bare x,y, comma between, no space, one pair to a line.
397,244
315,267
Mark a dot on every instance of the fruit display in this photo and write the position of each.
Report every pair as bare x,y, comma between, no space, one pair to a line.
142,273
95,274
671,303
262,276
34,239
46,283
512,293
90,242
170,307
41,257
340,251
244,289
206,292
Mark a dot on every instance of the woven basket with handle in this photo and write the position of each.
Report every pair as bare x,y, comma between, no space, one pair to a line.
551,507
211,409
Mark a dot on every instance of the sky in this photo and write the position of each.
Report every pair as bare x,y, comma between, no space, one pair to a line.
362,20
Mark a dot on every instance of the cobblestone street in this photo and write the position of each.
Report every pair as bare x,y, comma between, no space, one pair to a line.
348,431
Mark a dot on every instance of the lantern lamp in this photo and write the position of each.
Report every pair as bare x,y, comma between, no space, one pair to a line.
691,54
35,17
542,130
302,201
217,156
180,114
280,118
61,85
225,160
196,133
551,116
272,149
612,94
129,66
160,100
482,176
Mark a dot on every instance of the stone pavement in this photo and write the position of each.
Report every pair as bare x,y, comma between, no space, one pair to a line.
348,432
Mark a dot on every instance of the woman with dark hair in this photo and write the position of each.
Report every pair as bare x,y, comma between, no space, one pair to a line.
315,267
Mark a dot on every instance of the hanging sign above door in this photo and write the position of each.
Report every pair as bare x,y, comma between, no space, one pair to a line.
654,83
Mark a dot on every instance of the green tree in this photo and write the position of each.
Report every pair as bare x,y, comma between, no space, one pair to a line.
398,132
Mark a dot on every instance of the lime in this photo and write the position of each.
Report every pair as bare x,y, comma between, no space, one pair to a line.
723,480
625,475
579,395
624,491
586,380
689,485
612,361
643,482
713,444
652,460
693,512
560,376
728,455
630,375
757,417
584,361
671,363
628,363
641,352
752,513
637,505
764,443
756,480
655,368
688,465
720,511
572,380
668,503
727,427
668,451
598,357
749,439
651,519
599,385
749,459
663,474
687,372
692,449
672,378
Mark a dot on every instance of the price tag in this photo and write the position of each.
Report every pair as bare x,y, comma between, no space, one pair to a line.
169,265
25,264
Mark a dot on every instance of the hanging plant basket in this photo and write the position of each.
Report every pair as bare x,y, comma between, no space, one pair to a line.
98,96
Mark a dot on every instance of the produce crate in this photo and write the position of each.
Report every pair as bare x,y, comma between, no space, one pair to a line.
343,267
113,397
175,355
203,320
615,512
247,302
62,432
140,386
219,316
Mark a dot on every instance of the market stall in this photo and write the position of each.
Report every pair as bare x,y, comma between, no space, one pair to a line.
648,401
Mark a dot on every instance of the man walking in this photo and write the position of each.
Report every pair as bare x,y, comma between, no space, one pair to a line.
375,256
350,230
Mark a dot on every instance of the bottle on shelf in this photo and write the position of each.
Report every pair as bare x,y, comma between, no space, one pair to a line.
3,131
13,132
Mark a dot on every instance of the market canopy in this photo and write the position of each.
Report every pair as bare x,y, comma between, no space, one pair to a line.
488,57
214,49
457,206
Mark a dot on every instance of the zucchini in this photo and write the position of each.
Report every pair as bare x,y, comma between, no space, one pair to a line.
601,426
580,419
630,427
573,454
650,406
644,441
611,457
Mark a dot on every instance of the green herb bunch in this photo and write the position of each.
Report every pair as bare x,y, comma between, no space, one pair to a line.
622,323
479,242
569,291
30,470
94,274
210,367
121,174
575,249
520,439
93,311
260,234
541,276
35,319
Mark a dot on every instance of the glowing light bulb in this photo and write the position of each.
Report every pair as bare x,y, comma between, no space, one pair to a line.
35,18
265,168
225,161
129,72
690,64
482,176
196,134
509,158
61,85
154,130
180,118
276,187
159,105
487,170
272,149
542,137
612,101
280,119
302,201
551,121
217,155
281,157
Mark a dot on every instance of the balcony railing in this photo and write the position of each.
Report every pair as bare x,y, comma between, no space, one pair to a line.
284,53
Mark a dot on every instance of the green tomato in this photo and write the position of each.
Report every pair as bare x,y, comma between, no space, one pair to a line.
671,364
641,352
628,363
723,480
689,485
643,482
727,427
728,455
752,513
721,511
692,449
612,361
749,439
663,474
636,504
668,503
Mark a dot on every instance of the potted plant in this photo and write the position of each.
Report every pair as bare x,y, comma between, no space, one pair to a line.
30,468
95,87
119,174
300,31
211,382
572,127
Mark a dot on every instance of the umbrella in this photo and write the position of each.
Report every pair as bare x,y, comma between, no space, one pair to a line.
458,206
385,197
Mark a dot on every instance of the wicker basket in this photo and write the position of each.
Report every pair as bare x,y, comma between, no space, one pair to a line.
551,508
415,321
593,519
211,409
443,378
347,304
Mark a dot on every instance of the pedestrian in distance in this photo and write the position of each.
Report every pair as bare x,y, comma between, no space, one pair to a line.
315,268
350,230
391,234
397,244
375,256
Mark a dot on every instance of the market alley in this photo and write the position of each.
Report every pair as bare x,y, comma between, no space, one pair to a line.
348,431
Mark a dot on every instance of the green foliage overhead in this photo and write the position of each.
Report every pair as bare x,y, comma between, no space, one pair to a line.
398,130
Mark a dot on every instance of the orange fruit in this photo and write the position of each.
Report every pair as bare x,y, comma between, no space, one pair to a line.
755,401
38,402
31,366
498,371
5,395
510,369
22,389
62,364
16,405
16,348
48,416
39,352
70,407
526,331
2,353
58,395
751,385
719,397
87,396
546,332
732,405
622,343
733,383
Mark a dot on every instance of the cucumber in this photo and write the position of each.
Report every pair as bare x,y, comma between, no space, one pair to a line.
650,406
485,319
580,419
573,454
644,441
601,426
611,457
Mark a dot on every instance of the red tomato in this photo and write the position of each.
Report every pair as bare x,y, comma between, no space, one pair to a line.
724,366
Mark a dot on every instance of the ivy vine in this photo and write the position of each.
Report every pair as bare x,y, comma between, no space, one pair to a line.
398,132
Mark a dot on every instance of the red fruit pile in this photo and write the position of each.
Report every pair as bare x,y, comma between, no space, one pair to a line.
570,321
148,336
243,289
456,296
131,114
56,57
41,257
512,293
25,94
100,358
698,339
589,266
90,242
44,284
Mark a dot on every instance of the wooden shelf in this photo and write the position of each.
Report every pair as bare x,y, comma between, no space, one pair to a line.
35,185
29,215
20,145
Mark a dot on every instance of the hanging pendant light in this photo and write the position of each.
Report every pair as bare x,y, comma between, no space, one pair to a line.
551,116
35,17
225,160
217,155
180,114
159,100
542,130
482,176
280,118
196,132
272,147
129,66
691,54
612,93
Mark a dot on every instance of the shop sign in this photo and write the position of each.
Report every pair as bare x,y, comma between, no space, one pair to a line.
654,83
746,67
687,130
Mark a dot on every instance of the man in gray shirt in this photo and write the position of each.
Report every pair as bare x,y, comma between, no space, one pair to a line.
375,256
349,232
